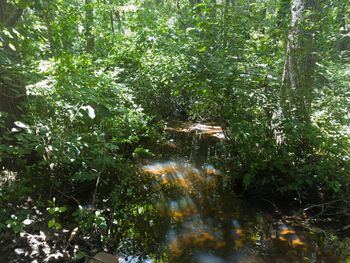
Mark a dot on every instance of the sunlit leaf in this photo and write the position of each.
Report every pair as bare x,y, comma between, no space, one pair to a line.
62,209
51,223
21,125
90,111
12,47
51,210
27,222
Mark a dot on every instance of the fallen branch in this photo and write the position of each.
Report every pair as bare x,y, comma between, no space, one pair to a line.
322,204
68,196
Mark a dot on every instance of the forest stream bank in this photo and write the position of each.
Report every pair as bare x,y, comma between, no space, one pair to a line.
195,219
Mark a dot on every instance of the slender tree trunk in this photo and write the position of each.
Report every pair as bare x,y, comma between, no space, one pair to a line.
177,5
119,21
89,21
225,24
47,17
112,22
343,41
12,88
299,69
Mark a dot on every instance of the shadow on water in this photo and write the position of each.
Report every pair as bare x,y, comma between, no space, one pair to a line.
203,225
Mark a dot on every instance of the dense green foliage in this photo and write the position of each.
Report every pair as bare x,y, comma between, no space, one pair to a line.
86,85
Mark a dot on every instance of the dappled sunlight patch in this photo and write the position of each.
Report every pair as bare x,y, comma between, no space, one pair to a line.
38,247
205,130
184,176
7,176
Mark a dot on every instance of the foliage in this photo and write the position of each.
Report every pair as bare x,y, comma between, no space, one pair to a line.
55,211
91,110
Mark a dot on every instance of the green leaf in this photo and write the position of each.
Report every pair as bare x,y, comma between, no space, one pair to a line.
62,209
203,49
17,229
51,223
12,47
27,222
79,255
21,125
90,111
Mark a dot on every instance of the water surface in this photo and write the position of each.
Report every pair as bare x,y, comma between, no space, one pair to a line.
200,223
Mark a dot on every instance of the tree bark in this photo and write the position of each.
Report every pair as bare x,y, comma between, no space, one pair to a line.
299,69
12,88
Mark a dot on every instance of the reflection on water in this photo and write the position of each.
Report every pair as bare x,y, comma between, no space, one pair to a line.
204,222
204,226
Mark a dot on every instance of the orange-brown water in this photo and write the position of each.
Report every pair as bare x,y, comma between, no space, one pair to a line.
202,225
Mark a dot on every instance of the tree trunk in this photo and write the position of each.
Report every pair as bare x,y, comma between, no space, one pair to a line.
112,22
12,88
119,21
89,21
224,24
343,40
299,69
47,16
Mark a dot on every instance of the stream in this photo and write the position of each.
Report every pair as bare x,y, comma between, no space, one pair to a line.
200,224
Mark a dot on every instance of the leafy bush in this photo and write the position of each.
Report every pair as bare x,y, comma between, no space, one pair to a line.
82,125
